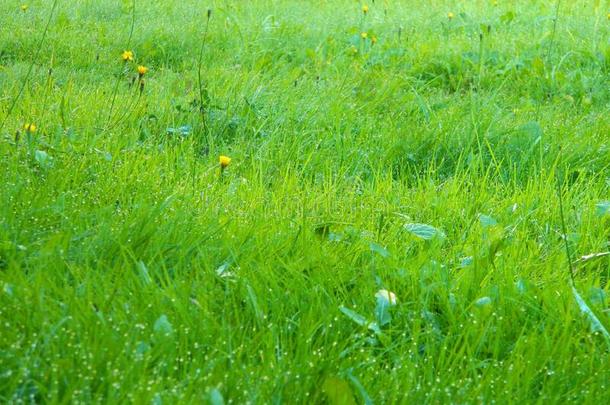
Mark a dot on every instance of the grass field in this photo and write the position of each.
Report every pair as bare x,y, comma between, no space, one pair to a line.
388,228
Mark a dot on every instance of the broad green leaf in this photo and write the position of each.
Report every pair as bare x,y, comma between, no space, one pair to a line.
143,272
507,17
8,289
383,252
157,399
354,316
338,391
483,302
603,208
163,326
533,129
335,237
215,397
366,398
424,231
223,270
43,159
374,326
141,348
382,310
597,296
254,302
487,221
596,325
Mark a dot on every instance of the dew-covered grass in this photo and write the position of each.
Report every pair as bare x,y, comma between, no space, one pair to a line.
388,228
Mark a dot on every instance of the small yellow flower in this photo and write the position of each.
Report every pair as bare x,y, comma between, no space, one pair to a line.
24,7
224,161
608,16
364,35
450,15
127,56
31,128
365,8
373,39
142,70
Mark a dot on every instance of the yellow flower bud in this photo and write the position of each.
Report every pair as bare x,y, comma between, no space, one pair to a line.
31,128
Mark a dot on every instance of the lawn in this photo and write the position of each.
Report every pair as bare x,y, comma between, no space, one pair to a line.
291,201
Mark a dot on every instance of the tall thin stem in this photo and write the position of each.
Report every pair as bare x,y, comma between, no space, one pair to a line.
29,72
118,80
202,107
564,231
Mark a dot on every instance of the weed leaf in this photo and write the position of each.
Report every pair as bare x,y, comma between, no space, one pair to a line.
603,208
215,397
596,325
424,231
377,248
382,310
354,316
487,221
163,327
338,391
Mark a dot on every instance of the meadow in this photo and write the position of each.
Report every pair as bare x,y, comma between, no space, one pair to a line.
290,201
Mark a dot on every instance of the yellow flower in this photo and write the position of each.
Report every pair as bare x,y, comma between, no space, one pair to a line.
364,35
24,7
373,39
608,16
365,8
31,128
224,161
450,15
127,56
142,70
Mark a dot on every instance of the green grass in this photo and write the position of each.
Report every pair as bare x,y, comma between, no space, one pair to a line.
133,270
